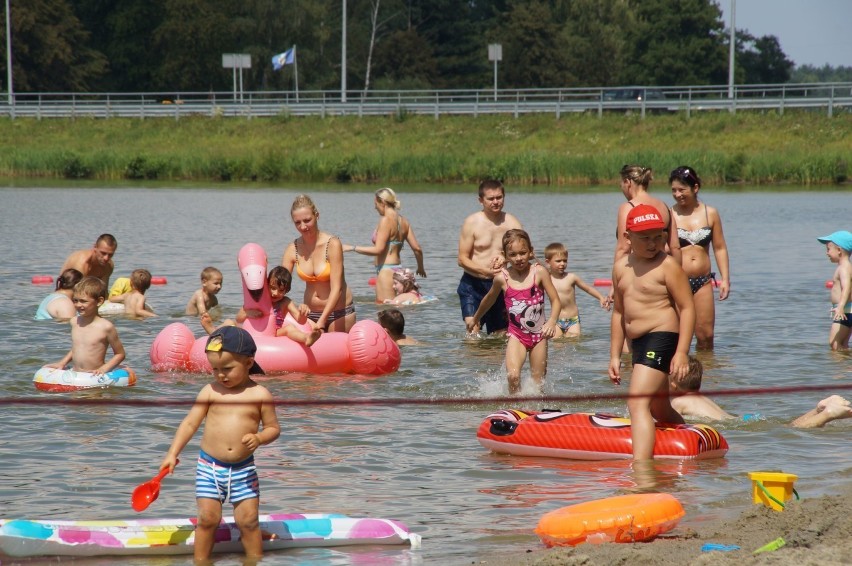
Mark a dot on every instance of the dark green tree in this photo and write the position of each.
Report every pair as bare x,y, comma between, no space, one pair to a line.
190,40
123,30
533,55
594,41
51,50
762,61
676,42
405,60
824,74
458,35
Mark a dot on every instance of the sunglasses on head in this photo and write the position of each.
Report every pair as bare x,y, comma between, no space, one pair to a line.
686,175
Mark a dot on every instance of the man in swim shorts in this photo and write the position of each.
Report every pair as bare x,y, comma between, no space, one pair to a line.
481,256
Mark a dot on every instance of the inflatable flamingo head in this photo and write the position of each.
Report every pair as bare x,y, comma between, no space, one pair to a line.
252,262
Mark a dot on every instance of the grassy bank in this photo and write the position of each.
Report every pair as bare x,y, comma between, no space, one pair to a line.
802,148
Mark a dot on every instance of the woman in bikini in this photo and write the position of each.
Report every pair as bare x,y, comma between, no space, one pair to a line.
390,235
699,226
635,180
317,258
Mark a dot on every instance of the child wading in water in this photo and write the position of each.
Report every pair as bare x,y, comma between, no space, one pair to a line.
279,281
91,335
405,288
568,323
524,286
653,307
838,246
238,416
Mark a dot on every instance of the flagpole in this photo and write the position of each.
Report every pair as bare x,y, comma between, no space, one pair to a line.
296,71
9,55
343,57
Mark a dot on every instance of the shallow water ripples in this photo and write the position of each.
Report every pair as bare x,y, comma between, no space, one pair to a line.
417,463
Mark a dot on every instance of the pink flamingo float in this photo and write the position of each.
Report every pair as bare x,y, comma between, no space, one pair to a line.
365,349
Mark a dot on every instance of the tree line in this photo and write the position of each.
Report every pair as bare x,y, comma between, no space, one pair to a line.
177,45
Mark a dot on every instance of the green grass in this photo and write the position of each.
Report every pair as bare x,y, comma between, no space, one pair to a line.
803,148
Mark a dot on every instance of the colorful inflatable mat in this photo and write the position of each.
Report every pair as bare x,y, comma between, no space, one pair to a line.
176,536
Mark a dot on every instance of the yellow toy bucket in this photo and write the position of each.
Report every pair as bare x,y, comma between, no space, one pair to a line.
772,489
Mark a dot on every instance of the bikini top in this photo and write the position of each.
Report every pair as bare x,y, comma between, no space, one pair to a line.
321,277
398,232
699,237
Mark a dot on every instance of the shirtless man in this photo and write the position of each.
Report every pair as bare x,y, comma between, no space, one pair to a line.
96,261
479,246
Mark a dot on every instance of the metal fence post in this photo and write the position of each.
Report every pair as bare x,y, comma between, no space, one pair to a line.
831,102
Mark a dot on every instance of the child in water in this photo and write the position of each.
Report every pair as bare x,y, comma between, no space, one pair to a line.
653,307
91,335
405,288
238,416
279,281
568,323
525,286
838,246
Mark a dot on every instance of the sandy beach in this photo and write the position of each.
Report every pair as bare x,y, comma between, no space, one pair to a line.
816,531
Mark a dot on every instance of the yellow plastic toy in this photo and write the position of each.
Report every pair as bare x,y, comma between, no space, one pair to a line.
772,489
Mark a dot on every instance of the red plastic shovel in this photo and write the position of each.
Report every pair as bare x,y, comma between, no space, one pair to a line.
148,492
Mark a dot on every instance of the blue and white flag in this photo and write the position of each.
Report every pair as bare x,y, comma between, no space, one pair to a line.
286,58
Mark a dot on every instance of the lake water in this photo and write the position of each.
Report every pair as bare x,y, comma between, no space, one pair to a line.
418,463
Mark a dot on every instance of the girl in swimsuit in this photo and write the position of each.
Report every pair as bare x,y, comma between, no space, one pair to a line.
405,288
388,239
317,258
698,227
524,286
58,305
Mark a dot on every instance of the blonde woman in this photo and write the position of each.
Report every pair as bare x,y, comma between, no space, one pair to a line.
635,180
316,257
388,239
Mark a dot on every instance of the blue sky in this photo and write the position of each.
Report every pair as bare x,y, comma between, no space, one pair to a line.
811,32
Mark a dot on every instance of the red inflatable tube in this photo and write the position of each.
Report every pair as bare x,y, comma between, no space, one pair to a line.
158,281
371,281
828,284
42,279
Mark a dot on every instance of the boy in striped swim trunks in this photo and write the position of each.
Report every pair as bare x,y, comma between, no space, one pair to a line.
232,408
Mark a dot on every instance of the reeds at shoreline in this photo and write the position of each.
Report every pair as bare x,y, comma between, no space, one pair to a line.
799,148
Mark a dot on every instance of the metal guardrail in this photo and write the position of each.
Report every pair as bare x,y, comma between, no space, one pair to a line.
828,97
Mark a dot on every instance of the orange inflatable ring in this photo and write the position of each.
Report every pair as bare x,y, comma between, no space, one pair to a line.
158,281
625,518
828,284
42,279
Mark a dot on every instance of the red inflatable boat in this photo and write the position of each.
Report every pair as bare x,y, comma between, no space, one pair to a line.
591,436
